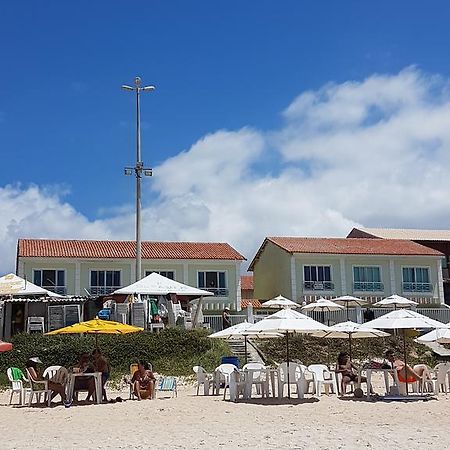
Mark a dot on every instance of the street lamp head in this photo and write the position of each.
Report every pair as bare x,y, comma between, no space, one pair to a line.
137,81
148,88
127,88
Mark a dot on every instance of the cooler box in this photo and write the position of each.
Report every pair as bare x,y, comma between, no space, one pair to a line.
230,360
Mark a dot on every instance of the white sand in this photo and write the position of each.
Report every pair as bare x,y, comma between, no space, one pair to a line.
190,422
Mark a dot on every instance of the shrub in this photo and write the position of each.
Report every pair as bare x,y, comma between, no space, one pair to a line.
173,351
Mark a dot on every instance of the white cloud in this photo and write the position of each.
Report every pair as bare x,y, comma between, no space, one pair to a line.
374,152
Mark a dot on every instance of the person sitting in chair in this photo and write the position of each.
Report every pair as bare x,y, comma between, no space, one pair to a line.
33,372
348,371
143,381
405,373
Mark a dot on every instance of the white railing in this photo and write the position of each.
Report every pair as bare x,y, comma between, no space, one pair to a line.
102,290
61,290
331,317
416,287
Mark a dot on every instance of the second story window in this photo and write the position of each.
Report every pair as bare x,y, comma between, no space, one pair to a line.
165,273
416,279
367,279
213,282
317,278
52,280
104,281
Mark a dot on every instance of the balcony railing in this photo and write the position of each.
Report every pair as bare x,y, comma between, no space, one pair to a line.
218,292
103,290
368,286
318,286
416,287
61,290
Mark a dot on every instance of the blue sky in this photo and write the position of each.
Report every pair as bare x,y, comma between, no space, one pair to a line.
67,128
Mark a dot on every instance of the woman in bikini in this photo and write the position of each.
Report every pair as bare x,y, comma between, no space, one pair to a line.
143,382
405,373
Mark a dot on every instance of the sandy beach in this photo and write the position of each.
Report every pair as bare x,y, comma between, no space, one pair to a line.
191,422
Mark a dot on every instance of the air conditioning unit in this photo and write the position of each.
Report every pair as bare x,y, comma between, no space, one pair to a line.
318,286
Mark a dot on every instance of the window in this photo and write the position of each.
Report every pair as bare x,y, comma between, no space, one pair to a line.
165,273
213,282
50,279
416,279
317,278
367,279
104,281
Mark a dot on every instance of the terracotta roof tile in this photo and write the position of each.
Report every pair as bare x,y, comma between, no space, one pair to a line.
52,248
345,246
255,302
247,282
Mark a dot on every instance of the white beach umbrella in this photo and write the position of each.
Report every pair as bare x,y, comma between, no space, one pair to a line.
287,322
349,301
279,302
350,330
237,332
322,305
404,319
395,301
440,335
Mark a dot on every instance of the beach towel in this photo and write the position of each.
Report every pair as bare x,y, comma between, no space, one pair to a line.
16,373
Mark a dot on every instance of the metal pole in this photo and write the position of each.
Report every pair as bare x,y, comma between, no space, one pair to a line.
138,181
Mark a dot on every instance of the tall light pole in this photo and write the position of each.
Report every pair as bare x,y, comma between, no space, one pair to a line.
139,168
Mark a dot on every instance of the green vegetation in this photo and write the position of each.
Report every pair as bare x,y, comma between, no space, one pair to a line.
311,350
174,351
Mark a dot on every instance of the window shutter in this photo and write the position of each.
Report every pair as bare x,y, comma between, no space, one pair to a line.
138,314
72,314
55,317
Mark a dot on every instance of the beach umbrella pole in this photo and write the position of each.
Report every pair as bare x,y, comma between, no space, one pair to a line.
287,357
245,348
350,345
406,363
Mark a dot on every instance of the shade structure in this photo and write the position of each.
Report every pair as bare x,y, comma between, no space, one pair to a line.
239,331
5,346
322,305
287,321
349,301
351,330
97,326
279,302
396,301
440,335
156,284
13,285
404,319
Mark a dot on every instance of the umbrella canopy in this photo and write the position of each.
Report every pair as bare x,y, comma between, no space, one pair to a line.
355,330
349,301
440,335
97,326
322,305
156,284
350,330
5,346
404,319
279,302
13,285
288,321
395,301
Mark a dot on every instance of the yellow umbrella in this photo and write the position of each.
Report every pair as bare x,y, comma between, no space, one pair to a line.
97,326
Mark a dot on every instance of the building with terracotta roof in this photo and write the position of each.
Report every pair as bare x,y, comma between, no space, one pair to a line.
305,269
81,267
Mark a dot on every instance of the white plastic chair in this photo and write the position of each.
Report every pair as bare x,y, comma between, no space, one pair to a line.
258,378
203,378
222,374
17,387
307,380
439,378
323,377
238,385
38,388
296,378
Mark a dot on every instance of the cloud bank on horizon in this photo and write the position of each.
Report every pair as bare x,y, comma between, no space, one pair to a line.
373,153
